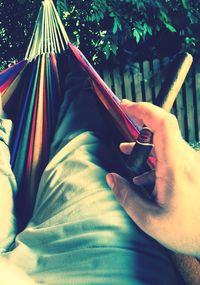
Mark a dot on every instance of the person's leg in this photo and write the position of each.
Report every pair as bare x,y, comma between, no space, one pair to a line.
79,234
81,111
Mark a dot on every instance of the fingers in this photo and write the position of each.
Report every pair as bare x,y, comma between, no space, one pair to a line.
149,114
127,148
140,209
152,116
164,125
147,178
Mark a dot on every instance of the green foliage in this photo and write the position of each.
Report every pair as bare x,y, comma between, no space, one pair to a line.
17,20
166,21
61,7
109,30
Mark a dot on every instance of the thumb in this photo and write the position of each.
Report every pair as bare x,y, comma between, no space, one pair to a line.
145,179
139,208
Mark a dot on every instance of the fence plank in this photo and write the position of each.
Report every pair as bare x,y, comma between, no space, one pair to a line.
157,76
137,82
190,109
180,112
197,81
128,79
146,77
117,83
107,78
144,82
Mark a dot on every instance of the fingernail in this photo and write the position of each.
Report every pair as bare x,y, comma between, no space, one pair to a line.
110,180
126,102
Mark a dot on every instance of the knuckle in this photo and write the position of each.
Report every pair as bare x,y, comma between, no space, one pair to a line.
168,121
172,119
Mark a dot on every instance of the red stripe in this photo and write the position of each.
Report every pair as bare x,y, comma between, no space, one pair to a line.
32,134
7,84
45,136
10,67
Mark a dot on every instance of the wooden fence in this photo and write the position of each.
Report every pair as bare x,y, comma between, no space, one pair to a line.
142,82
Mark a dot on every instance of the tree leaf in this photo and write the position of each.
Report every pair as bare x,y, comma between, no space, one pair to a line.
114,48
170,27
106,50
117,25
136,35
185,4
149,30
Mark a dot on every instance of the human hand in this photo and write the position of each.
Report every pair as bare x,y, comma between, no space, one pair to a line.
172,217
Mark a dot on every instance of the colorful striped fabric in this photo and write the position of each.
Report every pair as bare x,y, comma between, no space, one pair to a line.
8,76
32,103
129,129
31,93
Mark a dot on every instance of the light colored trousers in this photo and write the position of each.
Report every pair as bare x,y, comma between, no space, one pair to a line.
78,233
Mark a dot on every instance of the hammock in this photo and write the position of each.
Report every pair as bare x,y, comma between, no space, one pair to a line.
31,95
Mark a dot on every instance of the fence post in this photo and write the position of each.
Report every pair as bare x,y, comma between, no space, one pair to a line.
190,108
180,112
107,78
128,80
137,77
147,75
117,83
197,89
156,76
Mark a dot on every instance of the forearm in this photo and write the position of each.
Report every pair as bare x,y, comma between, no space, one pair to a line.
8,188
